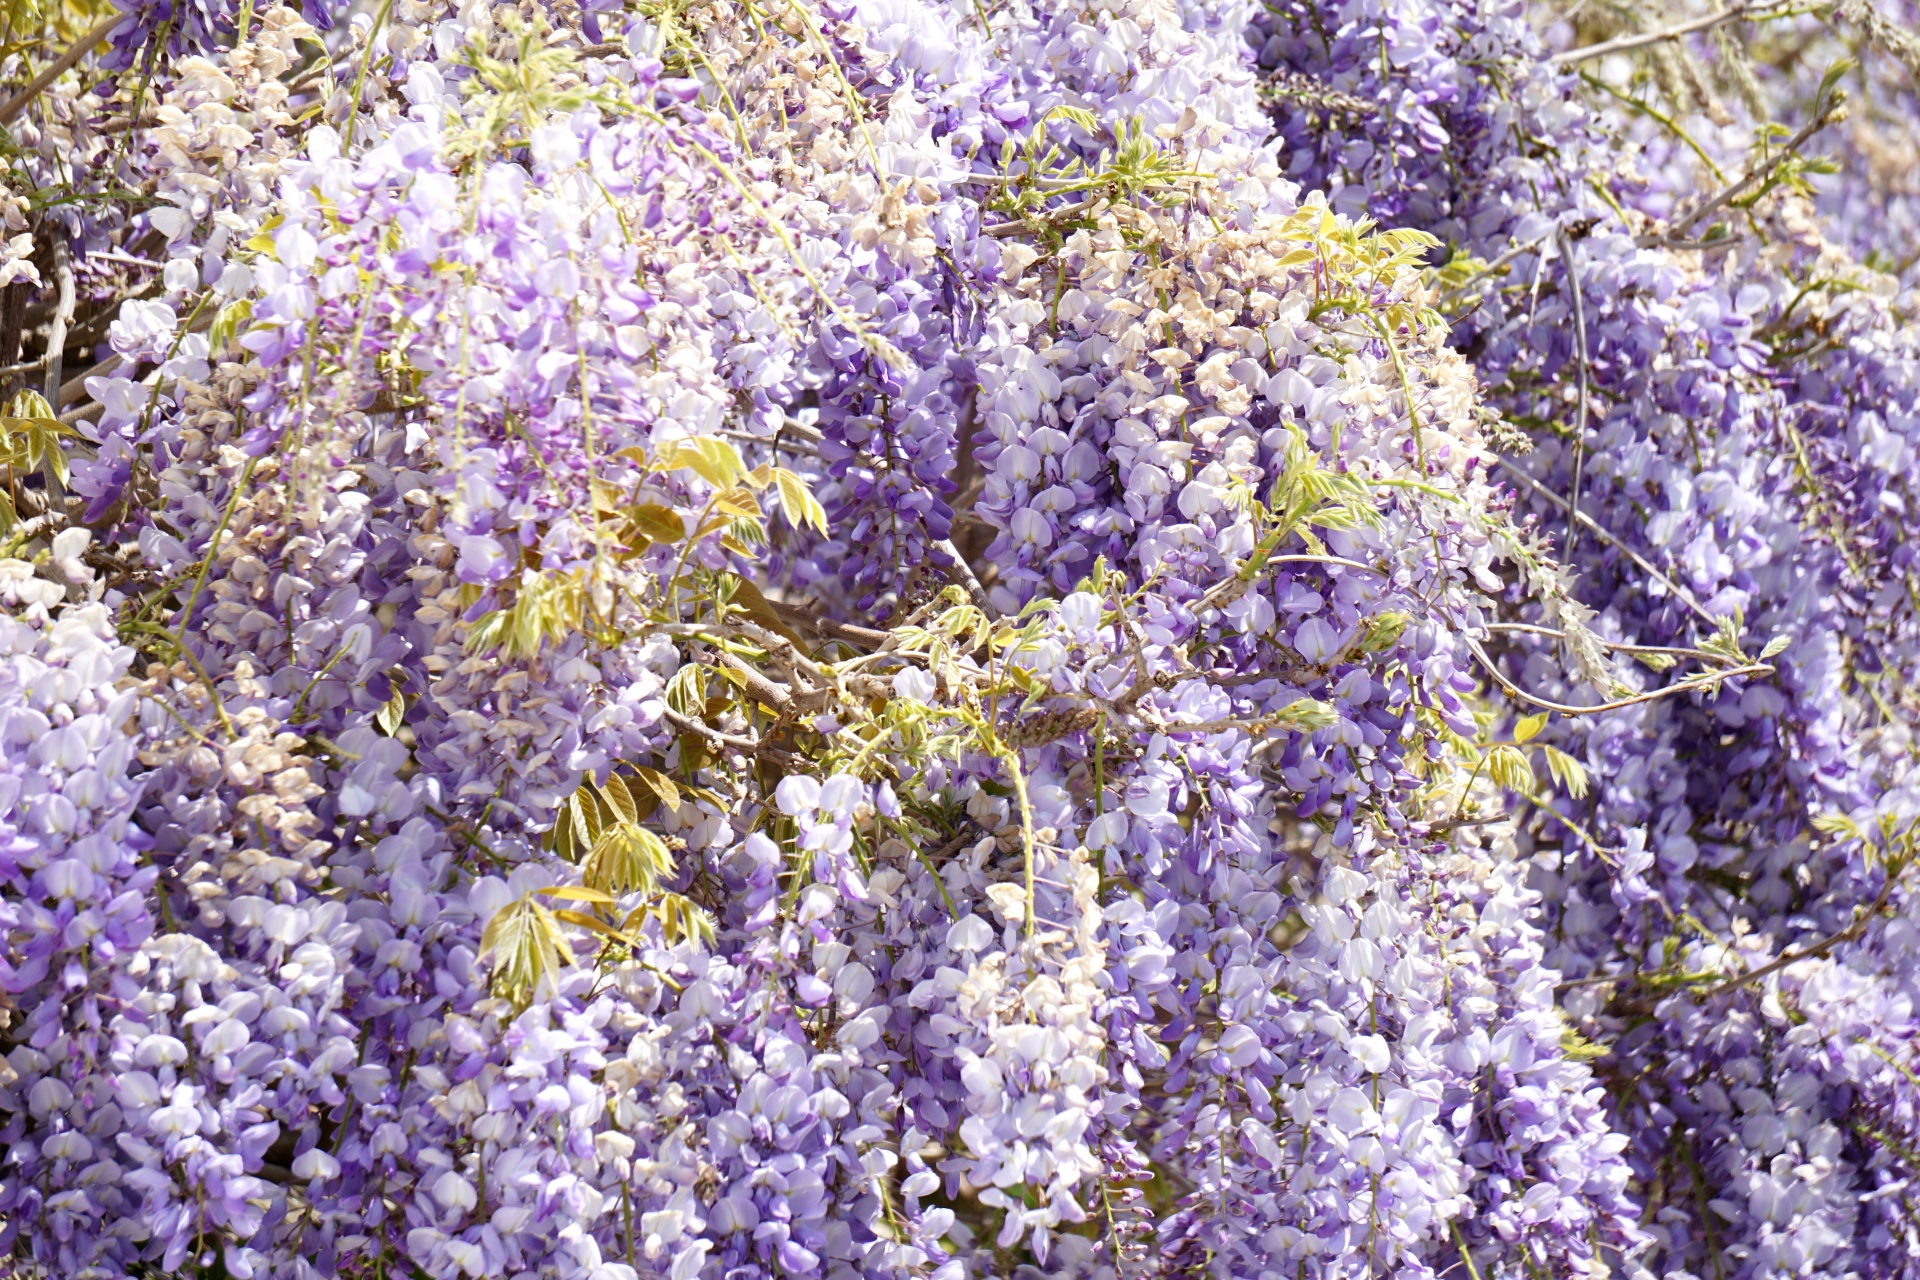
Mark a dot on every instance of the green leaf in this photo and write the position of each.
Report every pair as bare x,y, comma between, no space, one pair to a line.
797,501
1835,74
1529,727
390,717
1076,115
1567,771
549,608
615,793
658,523
627,858
1508,767
660,784
1838,824
527,947
1725,640
1774,646
713,460
578,893
1306,715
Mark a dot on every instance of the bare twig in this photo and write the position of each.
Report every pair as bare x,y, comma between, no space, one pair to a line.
1681,593
62,313
1499,262
58,67
1821,119
1826,944
1642,39
120,124
757,683
114,255
1691,685
1580,422
968,579
1615,645
784,758
1693,246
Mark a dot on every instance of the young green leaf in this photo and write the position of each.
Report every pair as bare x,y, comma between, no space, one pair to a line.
658,523
527,948
1508,767
797,501
578,893
1566,771
390,717
620,799
660,784
713,460
627,858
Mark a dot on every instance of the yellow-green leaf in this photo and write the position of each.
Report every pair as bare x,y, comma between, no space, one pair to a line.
749,599
1529,727
627,858
1306,715
736,502
527,947
687,690
659,783
31,404
1509,768
661,524
797,501
1383,631
1567,771
577,893
577,825
615,793
680,919
713,460
1837,824
594,923
228,324
390,717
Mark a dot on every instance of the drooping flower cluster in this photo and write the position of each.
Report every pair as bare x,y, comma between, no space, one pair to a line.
904,638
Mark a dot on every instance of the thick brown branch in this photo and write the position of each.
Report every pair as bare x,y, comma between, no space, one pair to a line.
57,68
796,615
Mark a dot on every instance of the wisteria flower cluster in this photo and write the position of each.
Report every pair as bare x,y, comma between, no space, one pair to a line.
713,639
